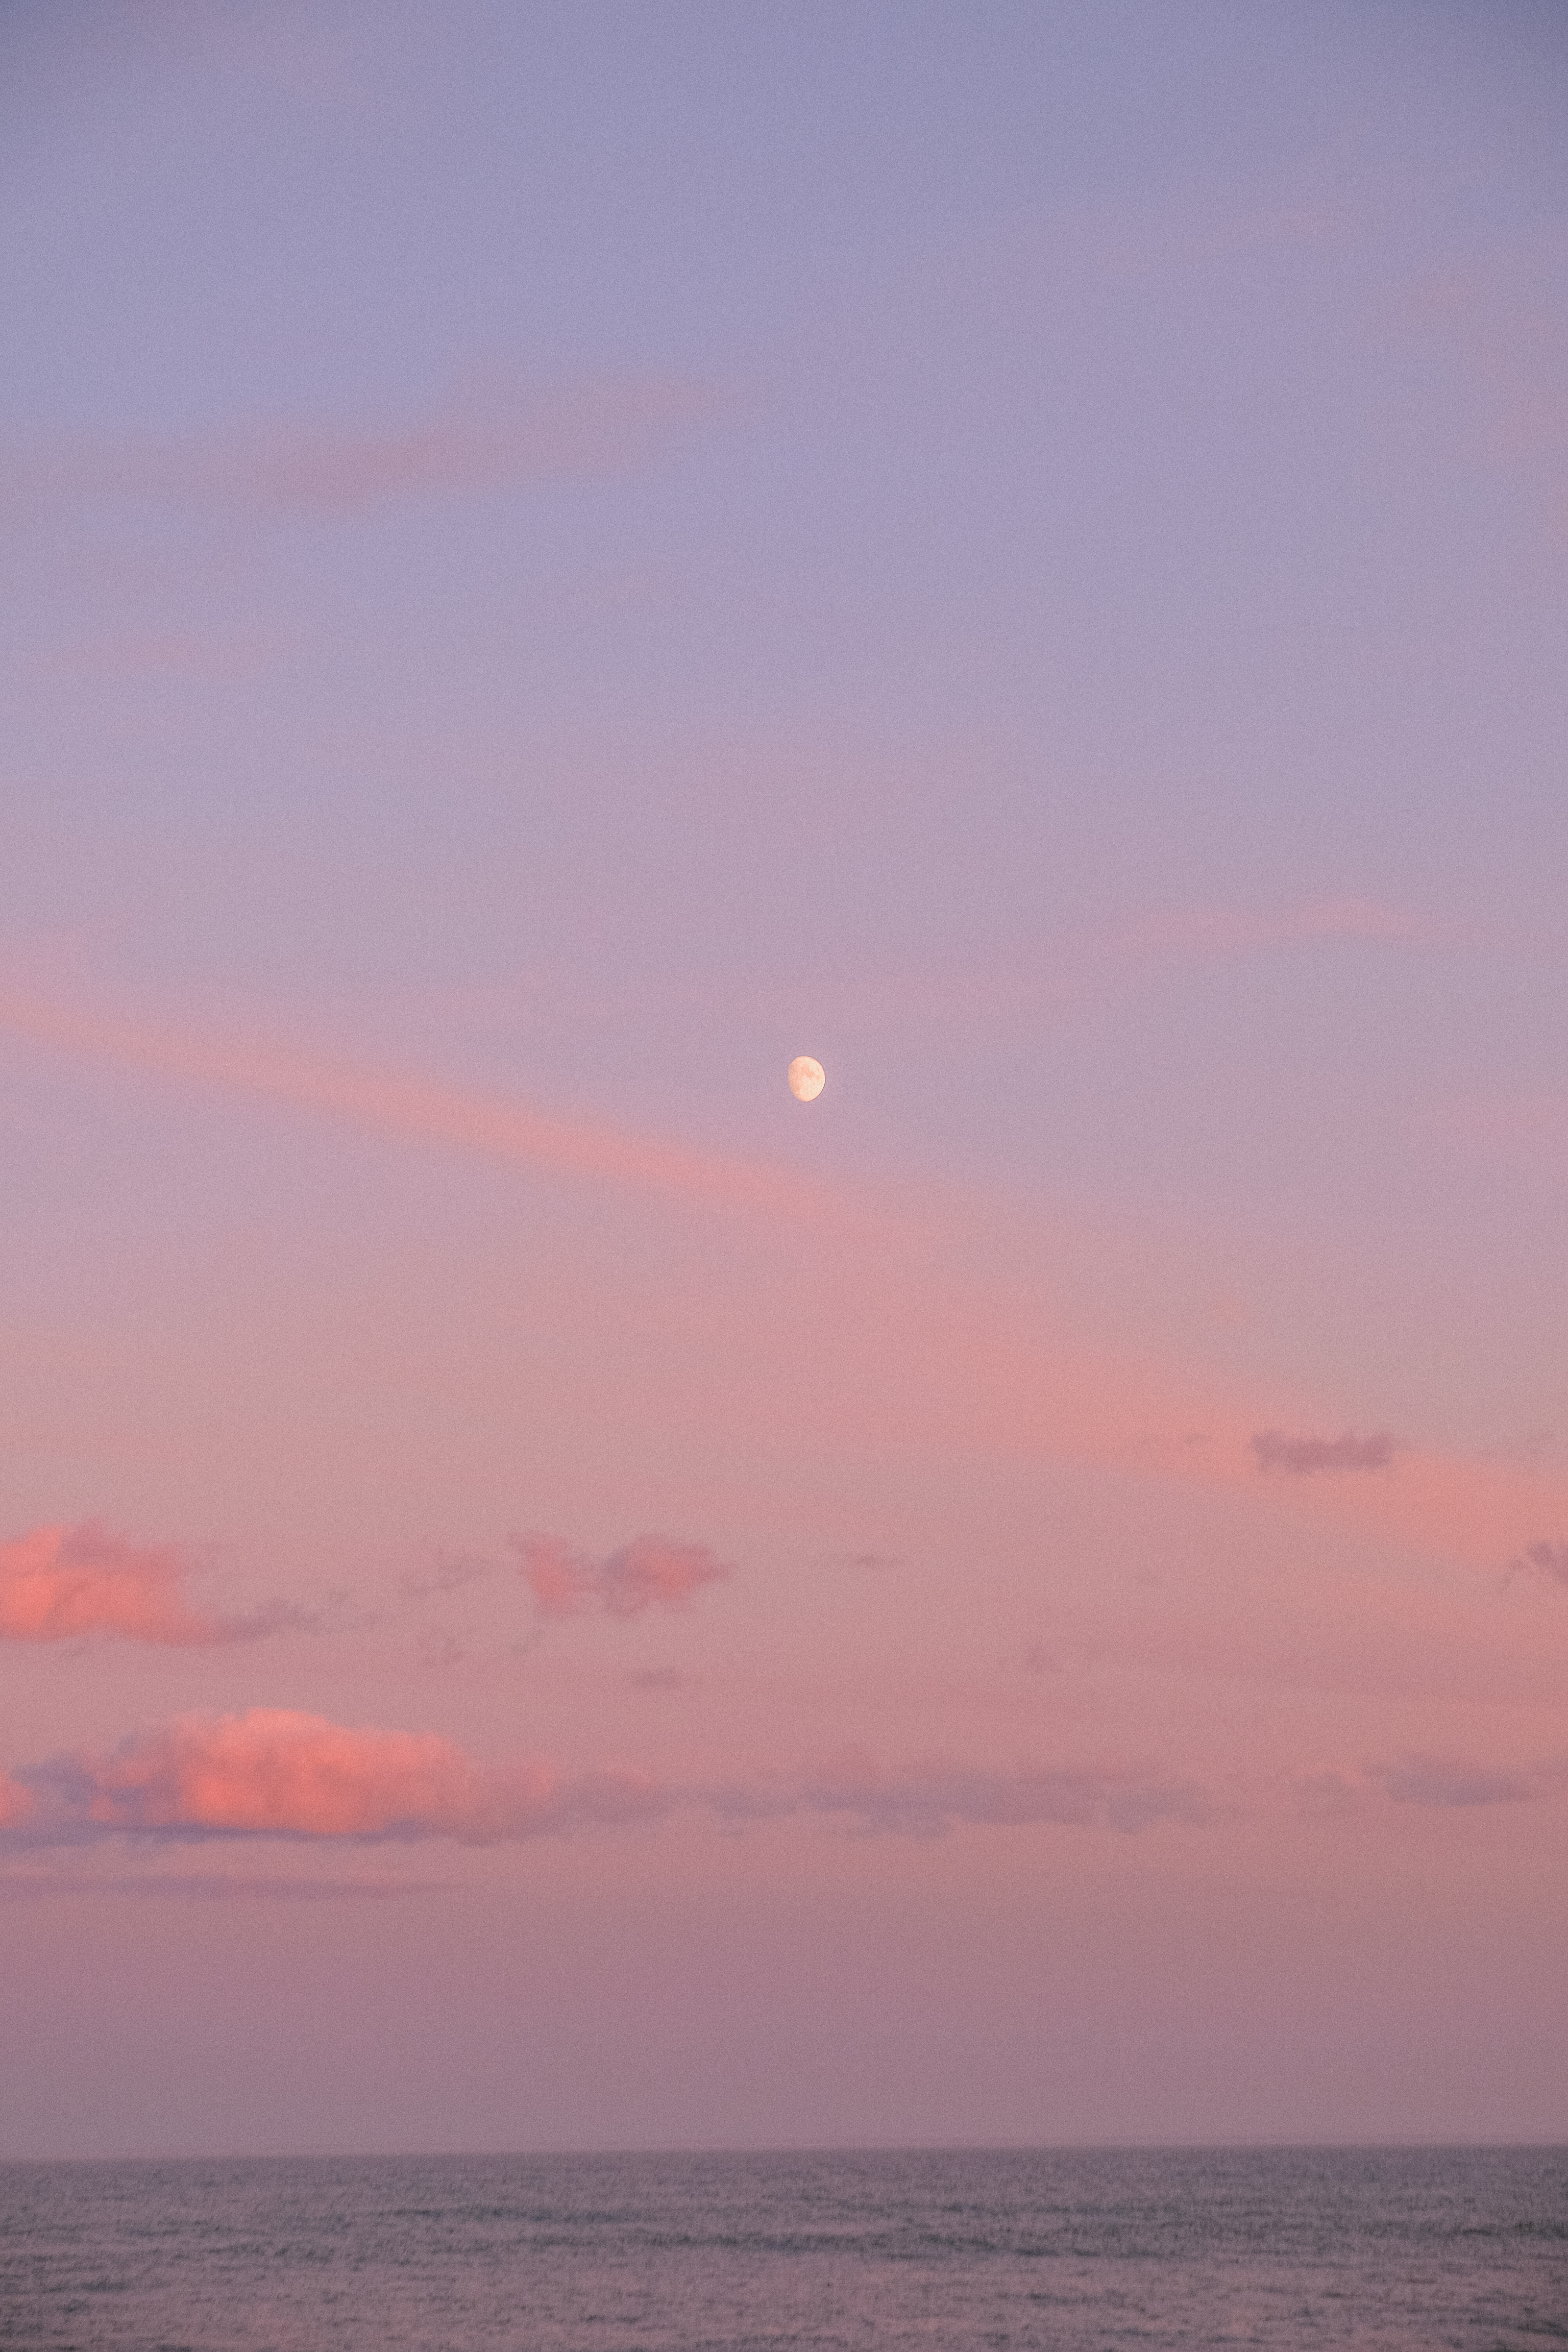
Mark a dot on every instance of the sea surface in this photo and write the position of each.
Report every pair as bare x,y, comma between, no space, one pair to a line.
1085,2251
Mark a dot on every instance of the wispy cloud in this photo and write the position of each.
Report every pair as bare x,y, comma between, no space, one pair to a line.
59,1582
1304,1457
272,1773
491,436
394,1103
1550,1560
932,1800
1451,1780
649,1571
964,1373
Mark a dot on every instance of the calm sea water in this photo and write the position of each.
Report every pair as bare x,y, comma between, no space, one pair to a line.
1305,2248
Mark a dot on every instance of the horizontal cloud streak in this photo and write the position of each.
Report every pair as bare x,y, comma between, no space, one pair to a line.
1304,1456
499,438
276,1773
388,1102
928,1801
59,1582
1448,1781
649,1571
955,1366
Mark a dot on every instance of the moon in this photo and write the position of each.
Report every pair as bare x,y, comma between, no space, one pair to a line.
806,1078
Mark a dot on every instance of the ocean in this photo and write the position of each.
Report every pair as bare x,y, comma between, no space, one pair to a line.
1085,2251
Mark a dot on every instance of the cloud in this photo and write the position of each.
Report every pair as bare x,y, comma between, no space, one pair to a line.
950,1364
491,435
15,1803
929,1802
448,1576
57,1582
1552,1560
273,1773
391,1103
1445,1780
649,1571
1304,1456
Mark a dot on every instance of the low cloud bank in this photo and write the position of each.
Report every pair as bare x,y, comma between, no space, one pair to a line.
649,1571
59,1582
276,1773
1302,1457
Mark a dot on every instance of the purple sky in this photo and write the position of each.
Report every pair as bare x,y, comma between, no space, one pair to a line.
557,557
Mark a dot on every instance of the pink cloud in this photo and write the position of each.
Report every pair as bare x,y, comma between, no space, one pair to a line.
273,1772
285,1774
1305,1456
649,1571
57,1582
391,1103
277,1773
953,1365
491,436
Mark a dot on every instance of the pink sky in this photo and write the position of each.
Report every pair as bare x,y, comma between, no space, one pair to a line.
550,1594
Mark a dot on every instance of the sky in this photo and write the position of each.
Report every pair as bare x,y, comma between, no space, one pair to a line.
554,558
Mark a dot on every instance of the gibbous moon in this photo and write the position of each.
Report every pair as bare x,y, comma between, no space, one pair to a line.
806,1078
